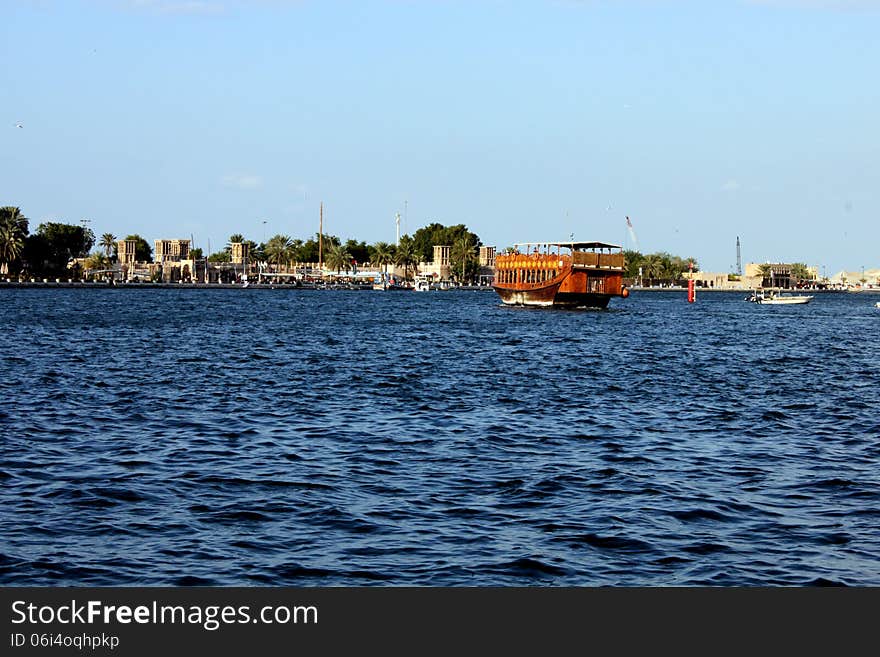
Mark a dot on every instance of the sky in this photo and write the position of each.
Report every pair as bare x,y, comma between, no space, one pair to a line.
526,120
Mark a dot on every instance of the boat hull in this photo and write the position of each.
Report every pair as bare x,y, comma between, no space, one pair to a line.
784,302
550,296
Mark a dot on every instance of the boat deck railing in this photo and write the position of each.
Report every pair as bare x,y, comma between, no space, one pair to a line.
598,260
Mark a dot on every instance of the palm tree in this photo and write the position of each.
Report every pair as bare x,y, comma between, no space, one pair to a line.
406,255
13,229
13,216
236,238
462,254
800,272
279,250
382,254
673,267
633,260
108,241
337,257
652,267
11,246
96,261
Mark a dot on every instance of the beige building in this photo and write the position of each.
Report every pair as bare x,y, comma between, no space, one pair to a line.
439,268
240,252
779,275
125,251
170,250
487,265
722,281
487,257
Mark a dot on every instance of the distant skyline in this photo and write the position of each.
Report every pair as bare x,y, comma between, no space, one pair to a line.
525,120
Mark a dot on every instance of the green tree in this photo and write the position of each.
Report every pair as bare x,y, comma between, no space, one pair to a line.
143,252
11,216
337,257
652,268
55,244
13,231
306,251
279,250
406,255
435,234
256,252
96,261
463,257
359,251
800,272
108,243
382,253
196,254
633,260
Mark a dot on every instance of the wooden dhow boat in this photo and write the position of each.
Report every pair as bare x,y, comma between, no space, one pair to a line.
567,274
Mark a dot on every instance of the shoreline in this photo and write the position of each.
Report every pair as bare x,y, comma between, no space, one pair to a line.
89,285
96,285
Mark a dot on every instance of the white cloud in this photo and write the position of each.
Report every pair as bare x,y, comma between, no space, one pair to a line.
242,181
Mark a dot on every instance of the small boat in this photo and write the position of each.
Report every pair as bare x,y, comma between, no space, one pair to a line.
778,299
387,283
422,284
877,305
564,274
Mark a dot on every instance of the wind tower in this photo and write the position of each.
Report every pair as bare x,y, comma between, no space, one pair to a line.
739,264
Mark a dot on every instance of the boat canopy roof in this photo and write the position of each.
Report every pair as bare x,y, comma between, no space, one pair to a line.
572,245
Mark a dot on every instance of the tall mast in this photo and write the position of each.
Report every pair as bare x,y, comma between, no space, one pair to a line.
397,222
321,240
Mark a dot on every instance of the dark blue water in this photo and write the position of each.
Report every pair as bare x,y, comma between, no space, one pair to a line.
293,437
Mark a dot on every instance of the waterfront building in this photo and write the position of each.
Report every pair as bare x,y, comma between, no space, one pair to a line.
776,274
486,260
722,281
439,268
125,252
240,252
170,250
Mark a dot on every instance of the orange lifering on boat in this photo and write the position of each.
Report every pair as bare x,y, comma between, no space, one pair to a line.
624,293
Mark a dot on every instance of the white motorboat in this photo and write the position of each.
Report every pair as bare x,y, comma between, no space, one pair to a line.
778,298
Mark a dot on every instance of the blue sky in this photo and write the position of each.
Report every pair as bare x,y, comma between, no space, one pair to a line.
526,120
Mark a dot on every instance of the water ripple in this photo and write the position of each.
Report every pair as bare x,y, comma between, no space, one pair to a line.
177,437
